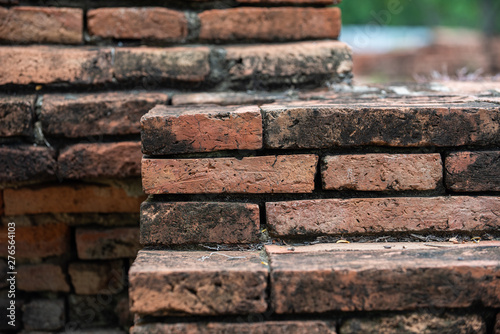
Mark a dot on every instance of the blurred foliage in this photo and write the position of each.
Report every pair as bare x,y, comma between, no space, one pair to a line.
477,14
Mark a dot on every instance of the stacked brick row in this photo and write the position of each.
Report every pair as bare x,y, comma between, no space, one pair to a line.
225,176
76,77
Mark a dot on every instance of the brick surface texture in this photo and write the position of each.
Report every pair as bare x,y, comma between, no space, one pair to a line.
167,130
103,244
377,215
473,171
70,199
16,115
173,283
379,172
84,115
269,24
268,174
44,314
41,25
97,278
138,23
42,277
192,223
26,163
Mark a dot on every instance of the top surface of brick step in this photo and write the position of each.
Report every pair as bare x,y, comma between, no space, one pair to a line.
317,279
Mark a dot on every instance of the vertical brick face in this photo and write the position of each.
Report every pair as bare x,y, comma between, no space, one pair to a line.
103,244
269,24
379,172
41,25
473,171
167,130
266,174
138,23
16,115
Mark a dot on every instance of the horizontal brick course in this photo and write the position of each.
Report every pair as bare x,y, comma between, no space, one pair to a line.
473,171
197,283
260,66
266,174
154,23
84,115
115,160
41,25
269,24
377,215
379,172
69,199
104,244
35,242
41,277
168,130
26,163
192,223
404,126
223,98
384,280
97,278
16,115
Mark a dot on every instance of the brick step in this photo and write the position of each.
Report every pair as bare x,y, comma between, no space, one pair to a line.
240,67
316,279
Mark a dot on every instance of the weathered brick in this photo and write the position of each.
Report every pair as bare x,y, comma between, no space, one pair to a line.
103,244
400,126
189,64
224,98
197,283
41,25
115,160
375,215
97,278
155,23
44,314
26,163
416,323
55,65
266,174
269,24
41,277
77,219
473,171
278,327
70,199
378,172
168,130
497,325
90,314
33,242
193,222
387,279
260,66
83,115
16,115
2,211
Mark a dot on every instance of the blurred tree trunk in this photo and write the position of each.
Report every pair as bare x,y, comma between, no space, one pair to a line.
489,8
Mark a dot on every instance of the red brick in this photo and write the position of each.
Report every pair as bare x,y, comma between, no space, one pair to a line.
16,115
41,277
378,172
277,327
399,279
168,130
473,171
115,160
193,223
197,283
266,174
224,98
97,278
33,242
44,314
375,215
70,199
83,115
41,25
103,244
138,23
55,65
2,211
409,125
416,323
258,66
269,24
188,64
26,163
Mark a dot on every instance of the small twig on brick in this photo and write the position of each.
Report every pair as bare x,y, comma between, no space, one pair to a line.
203,258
